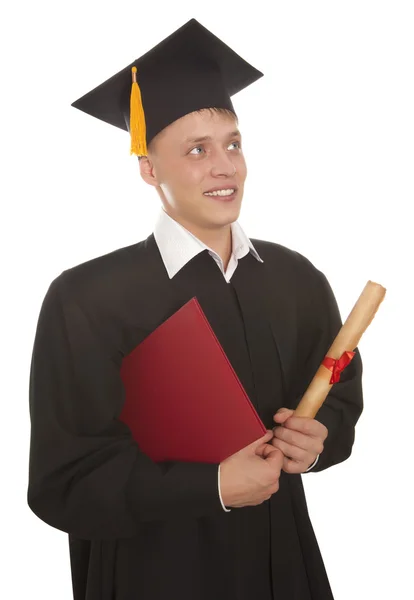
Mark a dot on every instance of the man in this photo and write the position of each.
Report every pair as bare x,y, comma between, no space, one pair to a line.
238,530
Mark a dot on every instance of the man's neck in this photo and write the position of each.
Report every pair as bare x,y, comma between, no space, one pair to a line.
219,240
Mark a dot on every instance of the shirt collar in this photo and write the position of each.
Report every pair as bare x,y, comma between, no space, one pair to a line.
178,246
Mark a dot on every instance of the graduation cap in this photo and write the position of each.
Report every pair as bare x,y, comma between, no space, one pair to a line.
189,70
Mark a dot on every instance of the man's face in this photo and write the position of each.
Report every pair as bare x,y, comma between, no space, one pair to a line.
183,168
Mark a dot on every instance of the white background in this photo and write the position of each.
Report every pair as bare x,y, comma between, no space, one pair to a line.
328,138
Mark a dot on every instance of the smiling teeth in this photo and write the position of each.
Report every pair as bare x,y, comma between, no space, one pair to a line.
220,193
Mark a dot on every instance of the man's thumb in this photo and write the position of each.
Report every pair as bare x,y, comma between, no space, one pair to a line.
259,446
275,456
282,415
267,436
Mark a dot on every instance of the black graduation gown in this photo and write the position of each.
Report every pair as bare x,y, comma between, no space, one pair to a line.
140,530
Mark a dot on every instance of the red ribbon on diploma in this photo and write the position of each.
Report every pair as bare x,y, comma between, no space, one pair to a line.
337,365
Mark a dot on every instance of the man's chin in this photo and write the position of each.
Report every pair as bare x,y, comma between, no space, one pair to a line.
223,220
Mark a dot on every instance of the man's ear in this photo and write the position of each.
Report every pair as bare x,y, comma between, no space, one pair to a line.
147,171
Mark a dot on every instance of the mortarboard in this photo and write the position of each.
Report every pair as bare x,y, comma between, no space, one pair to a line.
189,70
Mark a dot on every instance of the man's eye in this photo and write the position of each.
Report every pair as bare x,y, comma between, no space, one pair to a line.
196,148
201,148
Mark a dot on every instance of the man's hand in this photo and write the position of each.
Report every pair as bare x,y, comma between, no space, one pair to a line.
299,438
251,475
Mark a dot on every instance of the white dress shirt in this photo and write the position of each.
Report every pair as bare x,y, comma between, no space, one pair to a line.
178,246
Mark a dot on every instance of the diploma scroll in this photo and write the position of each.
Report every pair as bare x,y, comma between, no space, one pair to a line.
341,352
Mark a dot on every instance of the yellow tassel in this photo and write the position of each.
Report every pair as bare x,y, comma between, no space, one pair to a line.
137,126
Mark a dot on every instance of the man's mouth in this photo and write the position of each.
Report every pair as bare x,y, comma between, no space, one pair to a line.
223,192
223,195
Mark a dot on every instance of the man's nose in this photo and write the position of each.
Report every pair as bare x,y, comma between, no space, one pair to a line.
222,165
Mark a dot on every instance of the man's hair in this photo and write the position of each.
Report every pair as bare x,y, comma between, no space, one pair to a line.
213,110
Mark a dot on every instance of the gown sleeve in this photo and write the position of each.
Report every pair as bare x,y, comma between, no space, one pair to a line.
87,475
344,404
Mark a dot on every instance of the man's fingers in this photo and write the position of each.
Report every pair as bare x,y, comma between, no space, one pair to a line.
273,455
291,466
293,452
297,439
263,449
283,415
265,438
307,426
259,444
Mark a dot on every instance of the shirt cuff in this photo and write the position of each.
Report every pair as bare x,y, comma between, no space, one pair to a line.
221,499
313,464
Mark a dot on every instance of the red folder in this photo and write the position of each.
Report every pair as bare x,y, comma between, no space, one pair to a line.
183,399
